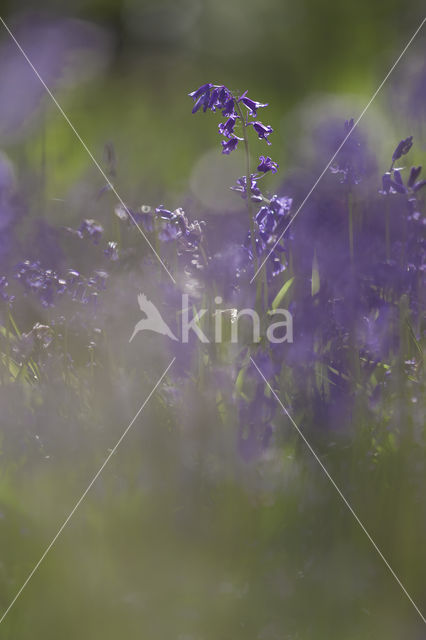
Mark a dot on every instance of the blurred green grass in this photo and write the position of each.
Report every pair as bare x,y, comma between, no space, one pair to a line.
272,553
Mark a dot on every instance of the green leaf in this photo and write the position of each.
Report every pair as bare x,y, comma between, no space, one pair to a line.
315,275
240,379
281,293
14,325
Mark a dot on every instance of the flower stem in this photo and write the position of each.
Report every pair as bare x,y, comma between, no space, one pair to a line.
248,184
250,203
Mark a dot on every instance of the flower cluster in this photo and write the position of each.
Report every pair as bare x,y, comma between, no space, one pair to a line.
189,234
48,285
392,182
241,187
219,98
266,164
272,220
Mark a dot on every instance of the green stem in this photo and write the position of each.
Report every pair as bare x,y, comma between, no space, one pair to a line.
248,183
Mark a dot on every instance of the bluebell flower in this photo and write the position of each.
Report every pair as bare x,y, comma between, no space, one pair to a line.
271,220
190,232
266,164
213,97
112,251
201,97
386,183
229,107
412,180
43,282
396,184
241,187
262,130
205,88
414,174
47,285
251,105
281,205
91,229
164,213
218,97
223,98
403,148
99,280
176,226
230,145
227,128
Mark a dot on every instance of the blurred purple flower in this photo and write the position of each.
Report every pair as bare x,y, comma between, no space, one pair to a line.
386,183
35,279
50,45
112,251
403,148
351,162
48,285
396,184
164,213
91,229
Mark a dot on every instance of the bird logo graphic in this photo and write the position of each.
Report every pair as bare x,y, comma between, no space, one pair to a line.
153,320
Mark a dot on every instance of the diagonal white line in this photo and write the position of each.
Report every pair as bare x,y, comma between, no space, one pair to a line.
315,455
86,148
343,143
80,500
